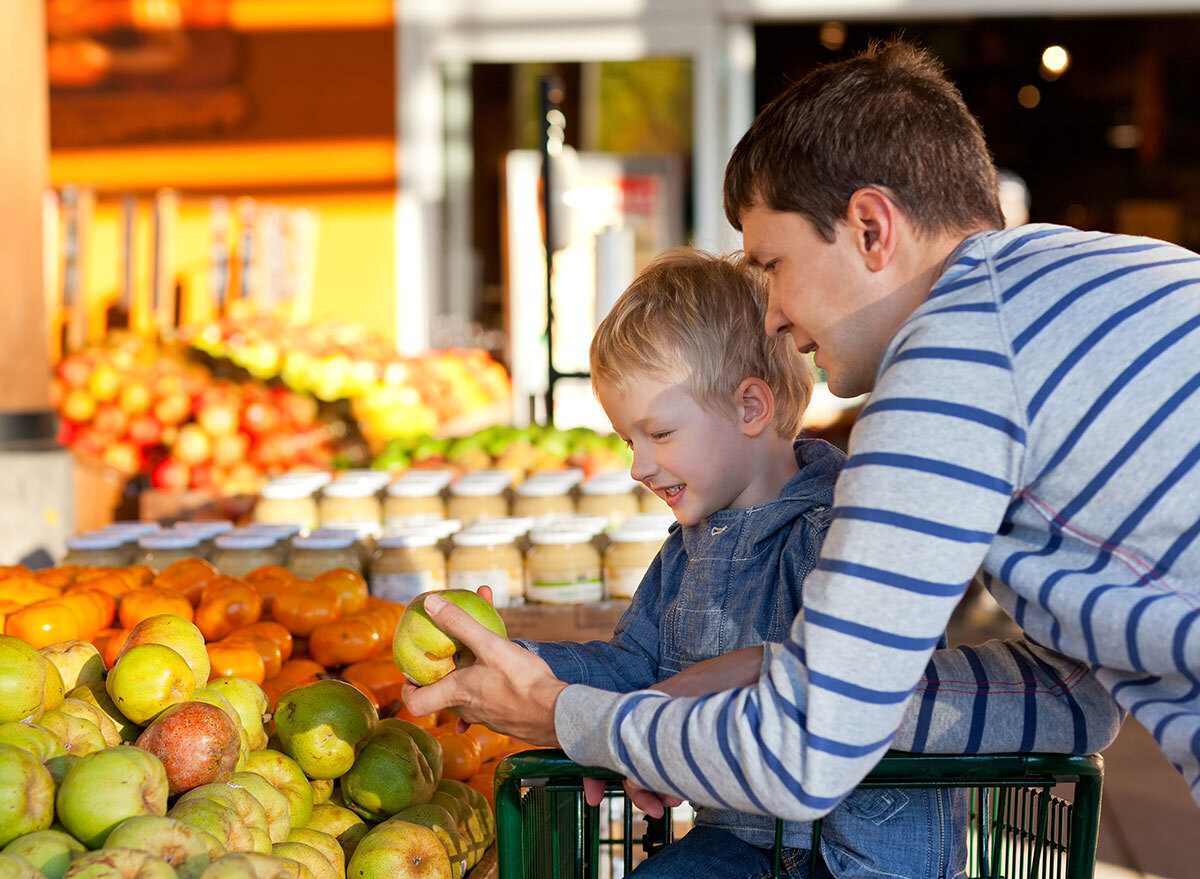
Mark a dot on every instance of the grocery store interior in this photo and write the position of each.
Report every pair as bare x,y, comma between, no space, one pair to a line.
303,285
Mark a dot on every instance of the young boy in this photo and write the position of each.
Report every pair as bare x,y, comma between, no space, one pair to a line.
711,407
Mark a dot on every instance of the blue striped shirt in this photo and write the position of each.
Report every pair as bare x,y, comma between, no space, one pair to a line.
1036,420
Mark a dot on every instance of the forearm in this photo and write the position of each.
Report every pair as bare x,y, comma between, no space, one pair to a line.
1008,696
740,668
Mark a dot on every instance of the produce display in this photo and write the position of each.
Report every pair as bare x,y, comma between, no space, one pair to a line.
190,724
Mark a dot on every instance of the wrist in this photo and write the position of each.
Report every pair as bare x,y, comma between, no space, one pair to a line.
545,700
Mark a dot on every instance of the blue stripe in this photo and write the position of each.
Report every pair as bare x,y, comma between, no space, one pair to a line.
868,633
1161,726
1020,286
1149,681
789,781
1089,607
953,410
979,701
796,650
949,287
1176,549
890,578
1179,647
1078,352
1078,721
930,465
912,523
967,307
855,691
1131,631
1131,445
965,355
1022,240
1029,721
1010,563
623,712
652,742
925,714
732,761
1047,588
1110,393
686,748
1143,509
1066,301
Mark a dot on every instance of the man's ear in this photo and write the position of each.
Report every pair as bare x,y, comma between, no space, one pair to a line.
874,220
755,406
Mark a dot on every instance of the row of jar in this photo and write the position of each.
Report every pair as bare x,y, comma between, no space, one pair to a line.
363,497
558,559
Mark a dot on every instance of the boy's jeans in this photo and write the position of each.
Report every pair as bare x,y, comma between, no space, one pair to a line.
708,851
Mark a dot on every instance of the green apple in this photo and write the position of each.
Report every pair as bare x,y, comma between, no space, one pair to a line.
85,710
179,844
50,851
322,842
340,823
430,747
95,694
322,789
53,693
26,794
240,800
147,679
59,765
22,680
250,702
423,651
400,850
180,635
275,804
445,825
219,821
119,863
78,736
14,866
288,778
37,740
105,788
309,857
78,662
322,724
389,774
248,865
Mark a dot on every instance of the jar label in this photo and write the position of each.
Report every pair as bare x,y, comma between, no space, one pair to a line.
575,592
405,587
623,582
497,578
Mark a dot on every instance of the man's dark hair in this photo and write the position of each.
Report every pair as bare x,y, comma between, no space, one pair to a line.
888,118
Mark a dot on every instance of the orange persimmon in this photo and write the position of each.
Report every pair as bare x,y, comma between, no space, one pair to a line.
491,743
226,603
273,630
268,581
344,641
7,572
110,643
113,582
57,578
45,622
24,591
305,606
94,607
303,671
461,755
138,604
186,577
375,673
235,658
267,648
349,585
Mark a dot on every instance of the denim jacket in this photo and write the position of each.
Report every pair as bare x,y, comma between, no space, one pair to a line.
732,581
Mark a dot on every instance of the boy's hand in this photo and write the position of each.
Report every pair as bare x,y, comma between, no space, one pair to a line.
507,688
726,672
654,805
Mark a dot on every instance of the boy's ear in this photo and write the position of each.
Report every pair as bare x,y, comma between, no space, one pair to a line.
874,219
755,406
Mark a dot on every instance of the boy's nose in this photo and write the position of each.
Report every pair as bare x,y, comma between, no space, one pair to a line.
642,467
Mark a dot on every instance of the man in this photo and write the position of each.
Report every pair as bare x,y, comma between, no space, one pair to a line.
1034,416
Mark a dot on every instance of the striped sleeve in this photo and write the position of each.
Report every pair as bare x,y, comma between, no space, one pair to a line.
935,459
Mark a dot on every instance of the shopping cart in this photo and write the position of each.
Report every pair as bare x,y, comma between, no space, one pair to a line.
1022,825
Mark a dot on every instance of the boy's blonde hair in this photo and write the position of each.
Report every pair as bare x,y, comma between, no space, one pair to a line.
697,318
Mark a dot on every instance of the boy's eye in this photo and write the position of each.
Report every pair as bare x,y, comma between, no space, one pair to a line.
661,435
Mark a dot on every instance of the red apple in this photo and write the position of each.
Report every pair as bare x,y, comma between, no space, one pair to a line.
145,430
110,420
203,476
193,445
259,418
198,743
74,369
172,408
170,474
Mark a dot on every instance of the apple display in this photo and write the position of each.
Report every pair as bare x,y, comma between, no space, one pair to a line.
105,788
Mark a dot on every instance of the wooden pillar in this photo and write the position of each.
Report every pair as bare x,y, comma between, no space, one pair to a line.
24,148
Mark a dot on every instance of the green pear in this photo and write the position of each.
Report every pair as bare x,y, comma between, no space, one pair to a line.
389,774
179,844
400,848
423,651
26,794
119,863
50,851
322,724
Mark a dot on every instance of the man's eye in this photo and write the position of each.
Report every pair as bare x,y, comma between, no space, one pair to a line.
770,267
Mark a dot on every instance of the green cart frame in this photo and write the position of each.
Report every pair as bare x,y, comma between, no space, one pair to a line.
1021,827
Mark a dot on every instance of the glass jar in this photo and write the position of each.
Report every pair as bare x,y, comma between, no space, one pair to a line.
158,550
377,479
110,549
350,501
412,500
287,502
207,530
407,565
316,554
543,497
487,557
628,557
472,499
609,495
562,567
239,553
439,477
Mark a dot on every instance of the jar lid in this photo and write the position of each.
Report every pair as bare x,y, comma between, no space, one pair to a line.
414,488
477,487
286,490
137,529
169,540
313,478
206,528
242,540
515,525
609,483
351,488
482,537
439,476
408,538
356,530
324,541
281,530
533,487
96,540
591,525
492,476
560,535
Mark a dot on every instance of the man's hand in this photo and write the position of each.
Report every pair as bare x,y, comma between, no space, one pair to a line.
507,688
654,805
729,671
